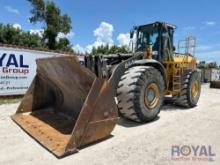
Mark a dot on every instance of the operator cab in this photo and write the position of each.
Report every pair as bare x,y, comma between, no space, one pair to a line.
158,36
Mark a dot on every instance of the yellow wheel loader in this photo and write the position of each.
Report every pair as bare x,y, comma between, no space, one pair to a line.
69,105
141,80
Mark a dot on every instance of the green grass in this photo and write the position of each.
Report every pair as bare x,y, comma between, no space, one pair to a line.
9,101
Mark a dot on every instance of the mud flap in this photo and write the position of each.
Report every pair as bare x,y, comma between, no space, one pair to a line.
66,106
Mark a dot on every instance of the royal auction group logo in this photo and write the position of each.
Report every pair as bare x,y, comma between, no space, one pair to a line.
203,153
10,63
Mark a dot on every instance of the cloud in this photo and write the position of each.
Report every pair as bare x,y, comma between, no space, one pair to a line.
12,10
204,47
39,32
209,52
123,39
79,49
210,23
17,26
104,34
68,35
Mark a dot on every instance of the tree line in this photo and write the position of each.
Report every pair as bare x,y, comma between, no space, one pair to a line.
207,65
106,49
15,36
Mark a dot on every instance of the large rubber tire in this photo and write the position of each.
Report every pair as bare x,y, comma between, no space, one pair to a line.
132,89
187,97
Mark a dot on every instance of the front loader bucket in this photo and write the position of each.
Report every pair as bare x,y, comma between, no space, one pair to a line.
66,106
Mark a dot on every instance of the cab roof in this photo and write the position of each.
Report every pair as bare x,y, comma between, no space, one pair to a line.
158,23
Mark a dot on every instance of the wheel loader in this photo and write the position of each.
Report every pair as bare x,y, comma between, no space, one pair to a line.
141,80
69,105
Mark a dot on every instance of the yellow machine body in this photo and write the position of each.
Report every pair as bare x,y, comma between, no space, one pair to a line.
174,69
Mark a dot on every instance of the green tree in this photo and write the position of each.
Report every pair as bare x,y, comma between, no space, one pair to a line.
106,49
54,22
15,36
31,40
64,45
10,35
212,65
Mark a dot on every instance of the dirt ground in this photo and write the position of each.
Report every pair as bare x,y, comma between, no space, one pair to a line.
131,143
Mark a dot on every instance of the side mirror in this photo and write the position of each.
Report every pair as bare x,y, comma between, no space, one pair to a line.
131,34
174,48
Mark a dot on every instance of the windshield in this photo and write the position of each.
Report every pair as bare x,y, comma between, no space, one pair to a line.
147,36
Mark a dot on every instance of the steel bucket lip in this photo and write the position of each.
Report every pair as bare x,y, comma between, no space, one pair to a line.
57,155
41,139
68,152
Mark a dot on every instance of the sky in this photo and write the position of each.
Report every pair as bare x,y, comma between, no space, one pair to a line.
96,22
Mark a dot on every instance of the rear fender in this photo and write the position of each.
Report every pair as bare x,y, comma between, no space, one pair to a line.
153,63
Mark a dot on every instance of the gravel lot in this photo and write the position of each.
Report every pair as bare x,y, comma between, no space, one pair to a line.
131,143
